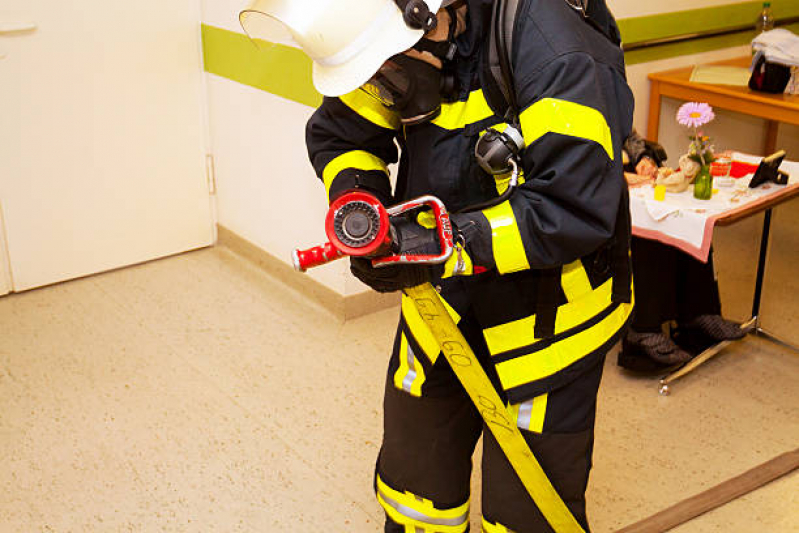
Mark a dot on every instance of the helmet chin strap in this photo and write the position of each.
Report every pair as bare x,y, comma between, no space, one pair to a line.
417,15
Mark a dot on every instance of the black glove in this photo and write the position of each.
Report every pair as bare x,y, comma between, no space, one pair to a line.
408,238
389,278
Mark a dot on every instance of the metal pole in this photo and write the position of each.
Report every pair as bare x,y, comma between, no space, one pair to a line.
761,268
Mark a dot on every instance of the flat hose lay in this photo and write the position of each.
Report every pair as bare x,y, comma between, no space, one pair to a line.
474,379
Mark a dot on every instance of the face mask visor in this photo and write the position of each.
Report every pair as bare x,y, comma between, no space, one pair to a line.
408,86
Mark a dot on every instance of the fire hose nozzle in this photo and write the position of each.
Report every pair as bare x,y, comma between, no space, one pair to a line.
358,225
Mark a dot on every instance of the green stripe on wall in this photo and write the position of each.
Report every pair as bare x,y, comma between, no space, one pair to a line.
286,71
641,29
274,68
695,46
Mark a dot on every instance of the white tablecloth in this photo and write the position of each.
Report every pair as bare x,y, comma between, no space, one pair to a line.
687,223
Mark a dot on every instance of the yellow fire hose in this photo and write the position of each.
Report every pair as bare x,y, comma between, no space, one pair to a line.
485,398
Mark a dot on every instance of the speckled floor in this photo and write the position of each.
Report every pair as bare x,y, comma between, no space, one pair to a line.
197,394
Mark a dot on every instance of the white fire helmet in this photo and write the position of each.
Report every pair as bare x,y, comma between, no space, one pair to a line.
348,40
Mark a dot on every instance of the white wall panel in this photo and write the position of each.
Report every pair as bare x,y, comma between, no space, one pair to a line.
102,142
267,191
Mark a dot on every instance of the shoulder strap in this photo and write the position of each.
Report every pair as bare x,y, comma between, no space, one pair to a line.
499,92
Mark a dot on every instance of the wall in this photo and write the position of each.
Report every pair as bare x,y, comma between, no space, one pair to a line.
729,130
257,136
267,191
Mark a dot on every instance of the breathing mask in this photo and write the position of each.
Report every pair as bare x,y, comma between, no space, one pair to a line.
413,87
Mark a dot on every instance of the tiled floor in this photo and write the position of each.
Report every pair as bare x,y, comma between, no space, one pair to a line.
197,394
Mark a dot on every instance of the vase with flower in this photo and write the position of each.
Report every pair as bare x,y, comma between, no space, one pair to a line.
700,150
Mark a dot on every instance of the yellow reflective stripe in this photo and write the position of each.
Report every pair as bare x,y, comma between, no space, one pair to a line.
530,415
406,508
539,413
458,115
371,109
551,115
472,376
410,374
420,330
358,159
519,333
511,335
575,282
550,360
488,527
506,240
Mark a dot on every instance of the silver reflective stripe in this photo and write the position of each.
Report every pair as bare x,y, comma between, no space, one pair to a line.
413,514
410,377
525,414
362,41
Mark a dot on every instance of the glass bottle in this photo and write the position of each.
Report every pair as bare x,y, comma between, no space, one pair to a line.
765,20
703,184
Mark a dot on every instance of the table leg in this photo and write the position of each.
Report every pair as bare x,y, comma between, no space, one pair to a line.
654,112
761,267
772,129
761,274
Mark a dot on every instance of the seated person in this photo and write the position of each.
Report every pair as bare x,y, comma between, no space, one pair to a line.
670,285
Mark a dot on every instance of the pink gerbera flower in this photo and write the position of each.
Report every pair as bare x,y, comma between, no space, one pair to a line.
695,114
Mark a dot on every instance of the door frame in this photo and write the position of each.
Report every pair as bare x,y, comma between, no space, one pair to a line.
6,282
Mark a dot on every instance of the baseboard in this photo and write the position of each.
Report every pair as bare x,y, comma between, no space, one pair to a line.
345,307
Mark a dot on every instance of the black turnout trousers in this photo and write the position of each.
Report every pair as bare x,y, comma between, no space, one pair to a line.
429,442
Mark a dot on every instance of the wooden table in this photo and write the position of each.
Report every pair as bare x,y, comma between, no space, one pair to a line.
775,108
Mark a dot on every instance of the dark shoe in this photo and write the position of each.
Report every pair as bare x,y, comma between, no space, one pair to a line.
715,328
656,347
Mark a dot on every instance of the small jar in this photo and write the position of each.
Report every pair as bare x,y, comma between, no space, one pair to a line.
720,170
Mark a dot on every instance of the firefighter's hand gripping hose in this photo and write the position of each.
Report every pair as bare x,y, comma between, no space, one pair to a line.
358,225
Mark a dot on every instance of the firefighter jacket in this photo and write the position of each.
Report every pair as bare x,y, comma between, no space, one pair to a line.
566,226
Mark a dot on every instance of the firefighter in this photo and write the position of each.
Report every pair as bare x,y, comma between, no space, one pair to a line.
540,281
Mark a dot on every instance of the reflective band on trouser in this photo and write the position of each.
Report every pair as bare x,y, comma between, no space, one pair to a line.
506,239
551,115
408,509
357,159
494,412
522,359
371,109
575,282
530,415
488,527
457,115
410,374
420,330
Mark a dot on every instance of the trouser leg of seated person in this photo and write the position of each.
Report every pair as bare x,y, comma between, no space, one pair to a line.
697,287
670,285
655,284
563,444
656,274
700,322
